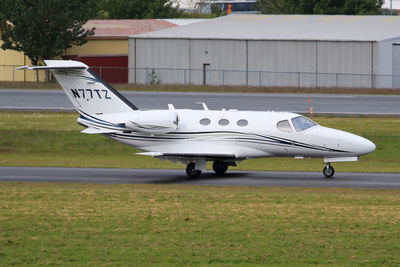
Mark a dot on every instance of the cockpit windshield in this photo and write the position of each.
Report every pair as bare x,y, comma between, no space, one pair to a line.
302,123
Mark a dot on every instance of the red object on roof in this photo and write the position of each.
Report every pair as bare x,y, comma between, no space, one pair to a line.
122,28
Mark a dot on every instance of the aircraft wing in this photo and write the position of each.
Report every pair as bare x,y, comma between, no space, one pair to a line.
91,130
207,156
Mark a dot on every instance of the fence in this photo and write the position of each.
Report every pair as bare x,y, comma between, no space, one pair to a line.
219,77
261,78
9,73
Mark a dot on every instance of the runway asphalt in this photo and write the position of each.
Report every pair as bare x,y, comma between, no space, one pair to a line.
232,178
12,99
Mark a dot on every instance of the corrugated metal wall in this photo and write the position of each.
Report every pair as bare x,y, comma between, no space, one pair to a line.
255,63
345,58
283,56
281,61
396,65
385,63
168,58
227,55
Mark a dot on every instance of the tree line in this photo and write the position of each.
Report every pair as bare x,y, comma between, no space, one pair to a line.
326,7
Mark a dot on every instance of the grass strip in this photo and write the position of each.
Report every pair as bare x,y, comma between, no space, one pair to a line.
141,225
54,139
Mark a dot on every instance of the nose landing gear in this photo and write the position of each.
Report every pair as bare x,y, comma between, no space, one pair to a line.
328,171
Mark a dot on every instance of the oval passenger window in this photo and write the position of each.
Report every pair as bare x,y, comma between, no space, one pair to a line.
242,123
223,122
205,121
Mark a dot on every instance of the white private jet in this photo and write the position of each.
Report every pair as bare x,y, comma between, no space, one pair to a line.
194,137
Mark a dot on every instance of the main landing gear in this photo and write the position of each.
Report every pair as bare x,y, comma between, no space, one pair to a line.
220,167
328,171
191,171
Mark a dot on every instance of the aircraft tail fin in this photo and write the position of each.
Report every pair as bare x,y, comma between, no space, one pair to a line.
88,92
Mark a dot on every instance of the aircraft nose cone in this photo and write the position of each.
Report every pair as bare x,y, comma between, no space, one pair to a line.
364,146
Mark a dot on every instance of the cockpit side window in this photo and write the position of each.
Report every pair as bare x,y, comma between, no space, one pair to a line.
284,126
302,123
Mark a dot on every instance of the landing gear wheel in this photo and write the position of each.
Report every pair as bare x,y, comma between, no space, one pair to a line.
220,167
191,171
328,171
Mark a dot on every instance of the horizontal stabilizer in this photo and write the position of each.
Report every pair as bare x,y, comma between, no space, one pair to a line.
97,131
52,68
57,65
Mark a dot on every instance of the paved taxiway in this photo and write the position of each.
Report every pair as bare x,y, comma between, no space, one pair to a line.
232,178
321,104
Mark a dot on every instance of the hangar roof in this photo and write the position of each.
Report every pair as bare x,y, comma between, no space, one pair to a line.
122,28
287,27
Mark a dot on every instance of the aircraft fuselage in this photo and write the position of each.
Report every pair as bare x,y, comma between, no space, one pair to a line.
247,134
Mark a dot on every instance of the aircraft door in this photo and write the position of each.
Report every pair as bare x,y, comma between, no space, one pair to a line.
287,138
206,73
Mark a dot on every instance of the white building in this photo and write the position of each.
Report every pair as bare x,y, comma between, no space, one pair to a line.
395,4
272,50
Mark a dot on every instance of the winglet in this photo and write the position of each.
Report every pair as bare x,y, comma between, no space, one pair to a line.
22,68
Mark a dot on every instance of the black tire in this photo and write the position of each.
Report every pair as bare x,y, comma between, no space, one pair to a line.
328,171
220,167
191,171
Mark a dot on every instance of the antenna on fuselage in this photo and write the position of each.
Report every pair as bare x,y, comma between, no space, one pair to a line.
203,104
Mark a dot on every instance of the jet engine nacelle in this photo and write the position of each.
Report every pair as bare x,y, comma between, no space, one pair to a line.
153,121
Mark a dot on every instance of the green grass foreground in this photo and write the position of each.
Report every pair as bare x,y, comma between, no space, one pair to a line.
54,139
141,225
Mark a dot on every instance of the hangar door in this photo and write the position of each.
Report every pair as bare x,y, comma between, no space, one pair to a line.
396,65
112,68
